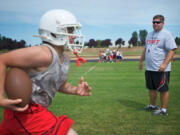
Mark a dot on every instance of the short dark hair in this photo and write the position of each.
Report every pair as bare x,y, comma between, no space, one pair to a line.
160,17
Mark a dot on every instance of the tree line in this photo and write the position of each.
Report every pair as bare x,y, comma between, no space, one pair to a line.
10,44
137,39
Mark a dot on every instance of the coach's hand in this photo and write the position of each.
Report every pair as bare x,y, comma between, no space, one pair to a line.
162,67
140,65
83,88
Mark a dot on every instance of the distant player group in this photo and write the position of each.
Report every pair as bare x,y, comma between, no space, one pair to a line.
110,56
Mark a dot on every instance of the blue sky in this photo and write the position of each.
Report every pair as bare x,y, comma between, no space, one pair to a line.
101,19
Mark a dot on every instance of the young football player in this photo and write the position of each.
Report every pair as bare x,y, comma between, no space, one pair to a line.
48,66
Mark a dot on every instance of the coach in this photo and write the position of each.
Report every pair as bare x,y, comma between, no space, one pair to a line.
158,52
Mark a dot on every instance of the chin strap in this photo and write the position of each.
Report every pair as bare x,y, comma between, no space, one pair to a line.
79,59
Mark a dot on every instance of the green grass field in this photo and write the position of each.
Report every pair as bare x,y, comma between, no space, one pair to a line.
118,98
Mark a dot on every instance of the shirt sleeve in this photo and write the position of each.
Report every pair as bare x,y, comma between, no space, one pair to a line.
170,42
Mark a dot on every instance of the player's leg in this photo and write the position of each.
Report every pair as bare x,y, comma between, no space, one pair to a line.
72,132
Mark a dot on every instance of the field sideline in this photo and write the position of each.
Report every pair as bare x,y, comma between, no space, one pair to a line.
118,98
128,53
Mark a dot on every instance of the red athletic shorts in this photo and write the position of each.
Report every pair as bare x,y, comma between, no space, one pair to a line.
36,120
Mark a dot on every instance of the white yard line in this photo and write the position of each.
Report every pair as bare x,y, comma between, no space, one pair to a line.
90,69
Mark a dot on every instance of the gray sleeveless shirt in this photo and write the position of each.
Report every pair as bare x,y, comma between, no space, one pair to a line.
46,83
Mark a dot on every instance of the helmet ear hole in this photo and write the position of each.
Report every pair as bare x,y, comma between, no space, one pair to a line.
53,35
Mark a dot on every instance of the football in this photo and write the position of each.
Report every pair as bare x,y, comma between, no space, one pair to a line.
18,85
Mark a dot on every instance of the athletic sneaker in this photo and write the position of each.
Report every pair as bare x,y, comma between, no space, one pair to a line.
150,108
160,112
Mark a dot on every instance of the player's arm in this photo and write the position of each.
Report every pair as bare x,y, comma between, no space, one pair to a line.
30,57
167,60
21,58
142,59
82,89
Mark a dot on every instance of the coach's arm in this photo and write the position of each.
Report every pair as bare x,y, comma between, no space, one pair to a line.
167,60
142,59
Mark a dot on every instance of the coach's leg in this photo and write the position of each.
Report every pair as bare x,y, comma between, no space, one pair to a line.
164,99
164,102
72,132
153,97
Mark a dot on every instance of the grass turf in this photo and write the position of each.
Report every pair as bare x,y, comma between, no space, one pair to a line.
118,98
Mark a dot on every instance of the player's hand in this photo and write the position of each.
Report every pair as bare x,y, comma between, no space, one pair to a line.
162,68
12,104
83,88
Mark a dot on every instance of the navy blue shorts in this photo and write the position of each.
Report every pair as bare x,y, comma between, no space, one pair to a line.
157,80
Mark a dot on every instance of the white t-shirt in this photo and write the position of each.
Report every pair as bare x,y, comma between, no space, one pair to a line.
158,44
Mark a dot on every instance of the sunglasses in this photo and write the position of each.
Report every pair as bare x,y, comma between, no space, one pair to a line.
158,22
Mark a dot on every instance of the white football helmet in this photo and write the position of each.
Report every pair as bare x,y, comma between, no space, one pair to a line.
55,22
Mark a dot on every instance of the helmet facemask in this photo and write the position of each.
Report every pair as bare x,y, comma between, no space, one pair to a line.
75,40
